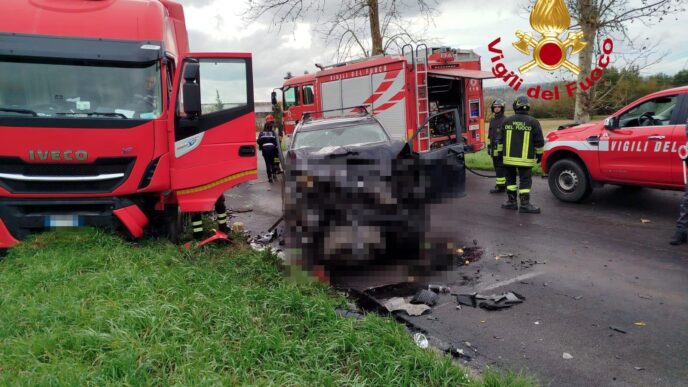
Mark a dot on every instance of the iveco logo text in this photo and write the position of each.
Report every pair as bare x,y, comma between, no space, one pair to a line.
58,155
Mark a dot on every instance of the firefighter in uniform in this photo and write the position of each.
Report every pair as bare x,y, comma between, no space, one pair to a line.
267,144
521,144
681,235
492,147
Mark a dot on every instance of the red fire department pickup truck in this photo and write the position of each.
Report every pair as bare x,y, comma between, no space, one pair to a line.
639,145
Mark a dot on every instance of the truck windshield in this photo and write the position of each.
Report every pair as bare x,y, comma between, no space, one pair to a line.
66,90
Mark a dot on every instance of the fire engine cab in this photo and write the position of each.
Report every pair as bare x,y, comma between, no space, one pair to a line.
402,92
107,119
641,145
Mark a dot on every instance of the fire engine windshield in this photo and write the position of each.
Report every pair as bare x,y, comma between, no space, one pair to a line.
80,90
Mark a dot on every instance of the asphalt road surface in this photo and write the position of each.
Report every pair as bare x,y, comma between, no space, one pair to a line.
598,265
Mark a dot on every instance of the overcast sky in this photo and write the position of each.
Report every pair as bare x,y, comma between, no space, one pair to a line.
217,25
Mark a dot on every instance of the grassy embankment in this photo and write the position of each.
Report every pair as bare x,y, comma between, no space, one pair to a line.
84,307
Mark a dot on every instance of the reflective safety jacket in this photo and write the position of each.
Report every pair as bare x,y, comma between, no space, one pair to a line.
521,140
494,133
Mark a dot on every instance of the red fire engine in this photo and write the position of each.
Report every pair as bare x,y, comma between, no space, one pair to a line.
642,144
401,91
106,119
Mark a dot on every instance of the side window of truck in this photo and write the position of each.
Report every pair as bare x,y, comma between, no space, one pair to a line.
308,95
655,112
223,85
291,97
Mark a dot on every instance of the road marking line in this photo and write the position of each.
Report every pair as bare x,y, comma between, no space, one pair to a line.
510,281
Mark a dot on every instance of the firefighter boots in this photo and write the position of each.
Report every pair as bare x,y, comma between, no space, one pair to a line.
526,207
511,203
499,188
679,238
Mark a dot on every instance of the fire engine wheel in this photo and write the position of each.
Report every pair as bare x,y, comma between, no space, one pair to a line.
569,181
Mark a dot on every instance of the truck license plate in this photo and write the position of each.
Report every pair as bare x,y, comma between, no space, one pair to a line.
62,221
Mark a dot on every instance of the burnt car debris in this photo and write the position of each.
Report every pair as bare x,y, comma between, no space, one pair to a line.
353,195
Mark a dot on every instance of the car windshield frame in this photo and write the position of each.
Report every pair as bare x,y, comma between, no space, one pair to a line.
320,127
79,93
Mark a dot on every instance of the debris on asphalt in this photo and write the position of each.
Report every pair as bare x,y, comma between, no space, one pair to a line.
266,238
645,221
617,329
460,353
399,304
646,297
433,318
638,368
346,313
577,298
238,227
421,340
492,302
425,297
467,299
537,323
240,210
439,289
640,324
545,284
567,356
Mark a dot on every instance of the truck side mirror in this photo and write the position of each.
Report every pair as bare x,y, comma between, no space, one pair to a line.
273,98
191,91
611,123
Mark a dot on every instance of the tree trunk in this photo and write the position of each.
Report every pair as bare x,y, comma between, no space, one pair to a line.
584,98
375,34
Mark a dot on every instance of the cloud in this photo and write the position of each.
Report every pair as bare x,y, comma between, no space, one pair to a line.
217,25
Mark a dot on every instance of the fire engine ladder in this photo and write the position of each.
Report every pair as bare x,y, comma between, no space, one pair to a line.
422,109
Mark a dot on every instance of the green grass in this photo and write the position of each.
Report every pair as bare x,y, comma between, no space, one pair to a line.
84,307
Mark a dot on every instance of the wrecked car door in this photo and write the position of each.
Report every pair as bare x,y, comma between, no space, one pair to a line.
442,168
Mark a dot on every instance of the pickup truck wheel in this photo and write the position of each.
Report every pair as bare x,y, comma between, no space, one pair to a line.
569,181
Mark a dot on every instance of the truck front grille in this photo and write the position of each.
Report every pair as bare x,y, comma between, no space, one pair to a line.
103,175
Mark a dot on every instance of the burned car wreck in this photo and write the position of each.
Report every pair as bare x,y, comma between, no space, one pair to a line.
353,197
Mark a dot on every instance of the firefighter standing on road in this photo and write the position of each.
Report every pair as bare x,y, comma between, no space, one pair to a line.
521,144
267,144
492,137
681,235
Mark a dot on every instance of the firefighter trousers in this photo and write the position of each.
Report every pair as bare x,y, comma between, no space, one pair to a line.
220,213
682,222
525,179
499,170
269,154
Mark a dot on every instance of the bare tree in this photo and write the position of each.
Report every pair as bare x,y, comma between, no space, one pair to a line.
599,18
368,27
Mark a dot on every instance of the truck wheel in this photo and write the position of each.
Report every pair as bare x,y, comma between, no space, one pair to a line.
172,227
569,181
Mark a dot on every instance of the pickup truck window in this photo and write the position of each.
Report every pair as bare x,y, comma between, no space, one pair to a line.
655,112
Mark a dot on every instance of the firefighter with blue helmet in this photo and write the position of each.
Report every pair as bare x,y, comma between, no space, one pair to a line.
493,135
521,144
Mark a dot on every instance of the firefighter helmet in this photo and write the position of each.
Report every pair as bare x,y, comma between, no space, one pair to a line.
521,104
269,118
498,103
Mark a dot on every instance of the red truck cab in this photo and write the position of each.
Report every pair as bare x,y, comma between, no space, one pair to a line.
106,119
639,145
298,97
